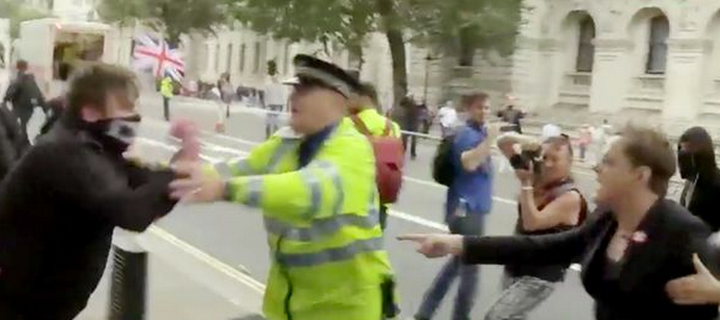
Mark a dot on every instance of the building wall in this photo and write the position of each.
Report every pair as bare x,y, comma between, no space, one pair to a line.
618,85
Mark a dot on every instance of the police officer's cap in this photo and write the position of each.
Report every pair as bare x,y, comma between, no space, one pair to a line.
309,70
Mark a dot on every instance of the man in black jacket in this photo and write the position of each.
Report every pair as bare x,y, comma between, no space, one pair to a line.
13,143
24,94
59,207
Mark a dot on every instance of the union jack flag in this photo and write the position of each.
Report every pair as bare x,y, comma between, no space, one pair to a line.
150,52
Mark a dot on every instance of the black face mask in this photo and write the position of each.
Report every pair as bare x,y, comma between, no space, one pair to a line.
687,165
115,134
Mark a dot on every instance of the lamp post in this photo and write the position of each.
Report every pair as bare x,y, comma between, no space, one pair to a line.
428,58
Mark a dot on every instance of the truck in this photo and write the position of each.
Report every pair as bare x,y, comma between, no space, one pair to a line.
47,43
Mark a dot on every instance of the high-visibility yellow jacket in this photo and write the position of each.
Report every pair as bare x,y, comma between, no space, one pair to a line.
166,87
328,261
375,122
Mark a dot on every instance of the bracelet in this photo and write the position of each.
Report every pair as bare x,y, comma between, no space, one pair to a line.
527,188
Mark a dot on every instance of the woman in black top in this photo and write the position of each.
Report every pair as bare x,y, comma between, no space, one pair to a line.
548,203
696,159
628,251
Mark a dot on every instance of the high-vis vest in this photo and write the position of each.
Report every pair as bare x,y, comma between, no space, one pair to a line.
375,122
166,87
328,260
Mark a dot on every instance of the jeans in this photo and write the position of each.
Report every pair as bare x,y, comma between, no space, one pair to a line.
471,224
166,108
521,296
413,144
272,122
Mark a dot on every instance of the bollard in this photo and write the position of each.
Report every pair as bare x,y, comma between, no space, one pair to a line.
129,278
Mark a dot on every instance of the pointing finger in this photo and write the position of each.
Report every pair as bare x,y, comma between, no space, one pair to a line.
412,237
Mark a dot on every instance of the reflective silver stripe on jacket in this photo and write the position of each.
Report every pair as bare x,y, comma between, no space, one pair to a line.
334,174
242,167
320,228
282,150
254,191
331,255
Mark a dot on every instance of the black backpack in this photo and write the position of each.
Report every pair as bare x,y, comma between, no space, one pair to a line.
443,169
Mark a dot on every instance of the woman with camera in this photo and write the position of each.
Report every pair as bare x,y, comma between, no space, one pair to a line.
548,203
628,251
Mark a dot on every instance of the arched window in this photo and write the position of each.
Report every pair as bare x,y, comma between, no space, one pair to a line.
228,58
657,54
586,48
242,58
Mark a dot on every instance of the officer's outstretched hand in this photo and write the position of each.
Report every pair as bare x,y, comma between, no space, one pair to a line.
193,185
436,245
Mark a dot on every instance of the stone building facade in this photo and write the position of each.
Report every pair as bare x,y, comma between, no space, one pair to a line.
649,61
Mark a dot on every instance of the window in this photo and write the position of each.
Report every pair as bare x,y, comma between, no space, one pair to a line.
256,60
286,59
217,58
228,58
242,58
586,49
657,55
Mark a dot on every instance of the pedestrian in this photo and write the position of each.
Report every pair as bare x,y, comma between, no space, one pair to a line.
629,249
549,203
13,143
60,204
469,199
226,92
167,89
411,123
365,117
512,115
550,130
448,118
56,106
584,140
698,167
215,95
274,100
315,184
24,94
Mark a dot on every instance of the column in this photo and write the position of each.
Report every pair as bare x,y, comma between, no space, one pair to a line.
684,79
611,78
535,71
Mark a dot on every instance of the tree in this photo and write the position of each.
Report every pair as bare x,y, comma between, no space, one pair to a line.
17,13
457,27
173,17
346,22
460,27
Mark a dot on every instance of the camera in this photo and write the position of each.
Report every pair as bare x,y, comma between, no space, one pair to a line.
522,151
526,158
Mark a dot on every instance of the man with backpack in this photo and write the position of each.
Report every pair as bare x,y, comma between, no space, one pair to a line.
463,164
384,134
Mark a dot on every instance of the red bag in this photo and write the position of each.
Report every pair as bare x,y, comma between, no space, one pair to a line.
389,160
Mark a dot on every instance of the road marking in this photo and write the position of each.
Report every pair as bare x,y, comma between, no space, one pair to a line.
211,261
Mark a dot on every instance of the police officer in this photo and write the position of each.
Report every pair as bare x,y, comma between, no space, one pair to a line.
315,183
367,120
60,204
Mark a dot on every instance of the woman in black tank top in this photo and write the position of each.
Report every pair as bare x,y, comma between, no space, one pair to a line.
549,203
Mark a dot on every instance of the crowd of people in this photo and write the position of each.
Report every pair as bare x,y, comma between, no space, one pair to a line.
324,184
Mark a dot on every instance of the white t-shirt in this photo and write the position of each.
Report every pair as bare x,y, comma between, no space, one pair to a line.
275,94
448,116
550,130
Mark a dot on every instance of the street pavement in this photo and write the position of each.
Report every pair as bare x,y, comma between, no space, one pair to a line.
234,234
